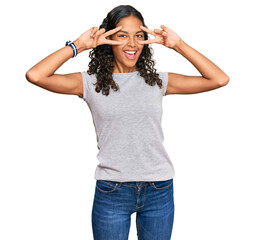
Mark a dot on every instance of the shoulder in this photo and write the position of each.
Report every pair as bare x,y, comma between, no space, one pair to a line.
89,78
164,77
87,75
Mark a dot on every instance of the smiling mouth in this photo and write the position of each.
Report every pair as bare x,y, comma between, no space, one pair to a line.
130,54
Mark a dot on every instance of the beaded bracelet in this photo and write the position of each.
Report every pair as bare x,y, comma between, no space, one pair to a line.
72,45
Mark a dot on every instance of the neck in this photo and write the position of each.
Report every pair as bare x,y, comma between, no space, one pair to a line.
123,69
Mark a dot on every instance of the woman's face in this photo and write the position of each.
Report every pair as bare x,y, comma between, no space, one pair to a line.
127,54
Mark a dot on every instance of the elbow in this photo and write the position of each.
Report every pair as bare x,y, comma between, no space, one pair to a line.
30,76
224,81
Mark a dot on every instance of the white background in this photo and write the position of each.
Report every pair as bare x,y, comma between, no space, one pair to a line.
48,141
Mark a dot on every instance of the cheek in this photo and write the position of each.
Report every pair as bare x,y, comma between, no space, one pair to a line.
141,49
117,50
124,41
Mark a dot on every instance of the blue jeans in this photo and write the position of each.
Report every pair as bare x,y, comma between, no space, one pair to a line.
114,202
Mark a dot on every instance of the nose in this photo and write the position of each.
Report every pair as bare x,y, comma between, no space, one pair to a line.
131,42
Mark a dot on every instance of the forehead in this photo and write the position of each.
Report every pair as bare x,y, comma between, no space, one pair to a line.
130,23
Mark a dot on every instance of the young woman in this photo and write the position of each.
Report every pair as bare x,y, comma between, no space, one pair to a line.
124,93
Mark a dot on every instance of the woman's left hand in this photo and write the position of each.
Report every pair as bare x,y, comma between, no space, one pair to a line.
166,37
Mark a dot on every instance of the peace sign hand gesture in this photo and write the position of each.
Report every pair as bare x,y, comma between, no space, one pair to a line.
94,37
166,37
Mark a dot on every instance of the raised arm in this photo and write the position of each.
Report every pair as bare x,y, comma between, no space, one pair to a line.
42,74
212,76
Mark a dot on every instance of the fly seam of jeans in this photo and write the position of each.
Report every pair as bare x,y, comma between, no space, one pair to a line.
143,198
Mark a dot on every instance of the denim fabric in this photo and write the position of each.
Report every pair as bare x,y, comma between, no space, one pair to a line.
114,202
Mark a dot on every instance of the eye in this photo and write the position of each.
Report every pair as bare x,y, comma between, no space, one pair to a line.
122,35
140,35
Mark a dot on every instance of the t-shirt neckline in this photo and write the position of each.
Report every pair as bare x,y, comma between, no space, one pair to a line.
122,74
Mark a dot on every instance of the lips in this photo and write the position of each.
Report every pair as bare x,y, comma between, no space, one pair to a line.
130,54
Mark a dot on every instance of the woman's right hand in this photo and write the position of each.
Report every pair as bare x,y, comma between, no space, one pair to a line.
94,37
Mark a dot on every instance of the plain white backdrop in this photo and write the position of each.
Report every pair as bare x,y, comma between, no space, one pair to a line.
48,141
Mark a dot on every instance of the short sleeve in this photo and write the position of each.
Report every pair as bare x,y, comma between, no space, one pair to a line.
164,77
85,82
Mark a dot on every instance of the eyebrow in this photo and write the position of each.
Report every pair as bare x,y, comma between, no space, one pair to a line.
127,32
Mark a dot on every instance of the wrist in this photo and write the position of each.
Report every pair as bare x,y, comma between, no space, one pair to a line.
178,47
78,46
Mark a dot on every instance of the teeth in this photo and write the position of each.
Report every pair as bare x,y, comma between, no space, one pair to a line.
130,52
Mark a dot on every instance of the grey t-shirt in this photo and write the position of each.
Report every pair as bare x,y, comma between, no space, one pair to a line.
128,129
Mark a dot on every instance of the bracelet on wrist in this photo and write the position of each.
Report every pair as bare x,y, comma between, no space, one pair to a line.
72,45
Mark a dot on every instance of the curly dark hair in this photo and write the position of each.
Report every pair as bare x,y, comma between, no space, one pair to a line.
102,56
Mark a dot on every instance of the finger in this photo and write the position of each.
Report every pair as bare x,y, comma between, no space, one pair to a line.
95,40
159,31
112,31
147,41
100,31
112,42
148,30
93,31
164,33
165,28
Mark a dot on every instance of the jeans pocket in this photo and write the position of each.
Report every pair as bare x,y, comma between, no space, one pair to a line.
106,186
160,185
